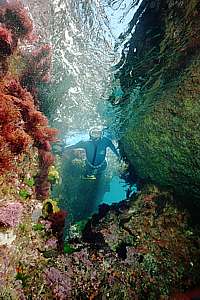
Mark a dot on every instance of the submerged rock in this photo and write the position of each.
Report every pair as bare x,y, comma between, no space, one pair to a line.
160,79
142,250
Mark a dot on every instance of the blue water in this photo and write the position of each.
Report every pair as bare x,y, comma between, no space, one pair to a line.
118,191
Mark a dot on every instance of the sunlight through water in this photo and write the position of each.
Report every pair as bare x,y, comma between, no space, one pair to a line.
86,40
83,35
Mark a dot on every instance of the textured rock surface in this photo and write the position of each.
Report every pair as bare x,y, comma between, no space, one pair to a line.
138,249
162,86
141,249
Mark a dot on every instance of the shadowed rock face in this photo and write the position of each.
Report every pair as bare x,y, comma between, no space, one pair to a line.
162,141
137,249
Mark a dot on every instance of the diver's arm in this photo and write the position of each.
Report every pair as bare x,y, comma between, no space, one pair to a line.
80,144
113,148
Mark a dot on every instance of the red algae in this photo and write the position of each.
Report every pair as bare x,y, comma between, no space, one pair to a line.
17,19
22,125
5,41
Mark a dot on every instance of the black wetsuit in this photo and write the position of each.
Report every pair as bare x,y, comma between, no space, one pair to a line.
95,152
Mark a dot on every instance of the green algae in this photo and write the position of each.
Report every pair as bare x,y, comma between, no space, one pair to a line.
68,249
23,278
29,181
24,194
38,227
23,228
161,138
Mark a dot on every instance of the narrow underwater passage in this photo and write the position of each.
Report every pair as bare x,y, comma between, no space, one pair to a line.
118,191
81,87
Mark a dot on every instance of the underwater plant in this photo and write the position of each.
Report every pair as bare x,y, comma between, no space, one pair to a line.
29,181
50,206
23,126
24,194
16,18
29,127
57,220
68,249
38,227
53,175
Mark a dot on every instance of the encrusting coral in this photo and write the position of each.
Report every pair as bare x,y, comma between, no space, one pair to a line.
10,214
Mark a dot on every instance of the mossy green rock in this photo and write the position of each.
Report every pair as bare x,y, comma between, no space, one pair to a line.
163,137
162,120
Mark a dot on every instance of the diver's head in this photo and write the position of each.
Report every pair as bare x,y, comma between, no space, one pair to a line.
95,133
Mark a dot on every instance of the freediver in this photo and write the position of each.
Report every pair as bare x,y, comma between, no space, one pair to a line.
95,149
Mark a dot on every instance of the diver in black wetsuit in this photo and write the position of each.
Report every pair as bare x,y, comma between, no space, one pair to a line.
95,149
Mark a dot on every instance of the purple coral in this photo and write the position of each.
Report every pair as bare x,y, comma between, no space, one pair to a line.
51,243
10,214
59,283
83,256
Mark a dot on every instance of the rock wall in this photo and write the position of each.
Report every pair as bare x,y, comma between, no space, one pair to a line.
160,77
25,154
138,249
